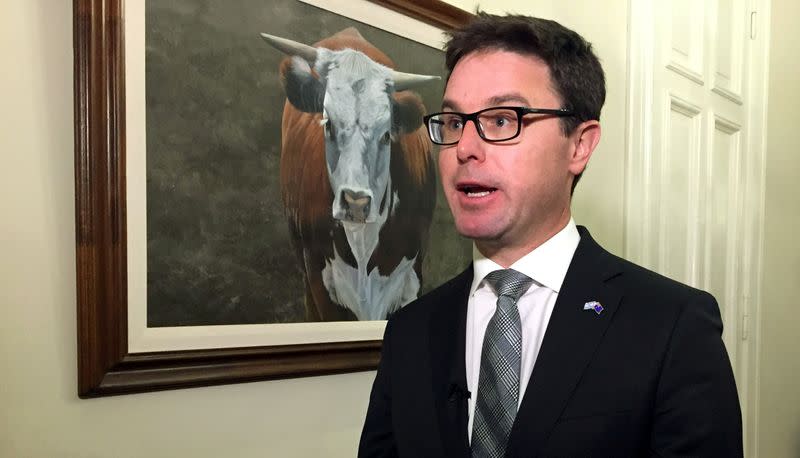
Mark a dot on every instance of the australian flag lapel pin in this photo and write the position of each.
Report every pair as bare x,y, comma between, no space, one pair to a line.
593,305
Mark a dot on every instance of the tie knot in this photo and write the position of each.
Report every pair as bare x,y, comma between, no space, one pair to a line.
509,283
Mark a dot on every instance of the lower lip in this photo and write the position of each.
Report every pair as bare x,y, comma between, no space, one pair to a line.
476,198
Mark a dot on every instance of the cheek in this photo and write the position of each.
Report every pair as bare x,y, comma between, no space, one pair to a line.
546,179
529,175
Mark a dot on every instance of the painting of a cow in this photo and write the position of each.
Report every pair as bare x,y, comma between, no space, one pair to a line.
357,176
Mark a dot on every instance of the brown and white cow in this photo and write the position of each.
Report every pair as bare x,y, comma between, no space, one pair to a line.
357,176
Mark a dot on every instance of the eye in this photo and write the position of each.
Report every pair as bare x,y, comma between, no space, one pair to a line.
386,138
330,130
500,120
453,122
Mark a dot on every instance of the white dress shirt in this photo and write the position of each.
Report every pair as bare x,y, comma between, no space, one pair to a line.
546,265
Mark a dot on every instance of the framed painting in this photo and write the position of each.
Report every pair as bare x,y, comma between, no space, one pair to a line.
195,265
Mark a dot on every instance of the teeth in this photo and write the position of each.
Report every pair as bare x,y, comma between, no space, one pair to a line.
478,194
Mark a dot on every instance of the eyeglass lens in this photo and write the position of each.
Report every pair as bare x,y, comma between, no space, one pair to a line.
494,125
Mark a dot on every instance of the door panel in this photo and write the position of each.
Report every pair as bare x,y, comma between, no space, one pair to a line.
694,170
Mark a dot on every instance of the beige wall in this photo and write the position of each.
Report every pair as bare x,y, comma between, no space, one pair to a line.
779,374
40,413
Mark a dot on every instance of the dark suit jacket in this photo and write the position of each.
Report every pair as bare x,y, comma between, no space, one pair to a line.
649,376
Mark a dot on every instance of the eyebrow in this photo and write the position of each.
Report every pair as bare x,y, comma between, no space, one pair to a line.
496,100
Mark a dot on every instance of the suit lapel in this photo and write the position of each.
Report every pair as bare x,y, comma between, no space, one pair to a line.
570,340
448,368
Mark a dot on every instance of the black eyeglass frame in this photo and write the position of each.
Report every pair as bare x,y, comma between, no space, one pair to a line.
521,111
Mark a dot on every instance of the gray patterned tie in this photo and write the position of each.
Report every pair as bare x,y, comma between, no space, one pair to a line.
498,383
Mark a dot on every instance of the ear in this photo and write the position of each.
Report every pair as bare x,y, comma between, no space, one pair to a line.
407,112
584,140
304,91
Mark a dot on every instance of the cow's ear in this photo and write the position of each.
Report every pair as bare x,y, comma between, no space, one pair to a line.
304,91
407,112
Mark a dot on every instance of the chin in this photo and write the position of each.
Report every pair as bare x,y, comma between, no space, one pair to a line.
477,231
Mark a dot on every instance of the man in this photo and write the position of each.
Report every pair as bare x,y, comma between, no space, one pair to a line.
572,352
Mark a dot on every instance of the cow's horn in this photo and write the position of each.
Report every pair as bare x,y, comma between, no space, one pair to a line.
403,81
292,48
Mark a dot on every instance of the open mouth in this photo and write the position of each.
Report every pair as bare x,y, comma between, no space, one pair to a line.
472,190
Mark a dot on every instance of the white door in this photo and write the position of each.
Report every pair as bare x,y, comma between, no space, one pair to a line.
694,153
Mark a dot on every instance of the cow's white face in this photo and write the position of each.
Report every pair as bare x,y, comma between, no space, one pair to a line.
357,118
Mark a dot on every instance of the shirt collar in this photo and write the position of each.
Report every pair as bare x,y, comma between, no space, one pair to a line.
547,264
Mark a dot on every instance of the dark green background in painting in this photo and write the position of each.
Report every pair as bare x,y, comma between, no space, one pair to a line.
218,244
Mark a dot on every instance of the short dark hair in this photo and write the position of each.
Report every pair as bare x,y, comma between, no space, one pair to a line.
575,70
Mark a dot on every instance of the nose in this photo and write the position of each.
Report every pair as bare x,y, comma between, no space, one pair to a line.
470,146
356,205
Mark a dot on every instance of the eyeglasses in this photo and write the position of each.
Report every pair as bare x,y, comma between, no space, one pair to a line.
496,124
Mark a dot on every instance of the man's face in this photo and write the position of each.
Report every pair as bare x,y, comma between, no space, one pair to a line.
511,196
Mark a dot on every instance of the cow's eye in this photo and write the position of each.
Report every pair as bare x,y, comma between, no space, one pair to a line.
386,137
329,129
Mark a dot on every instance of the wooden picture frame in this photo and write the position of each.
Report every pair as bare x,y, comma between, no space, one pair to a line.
105,365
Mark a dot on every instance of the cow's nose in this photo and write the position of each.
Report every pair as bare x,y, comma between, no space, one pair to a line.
355,205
